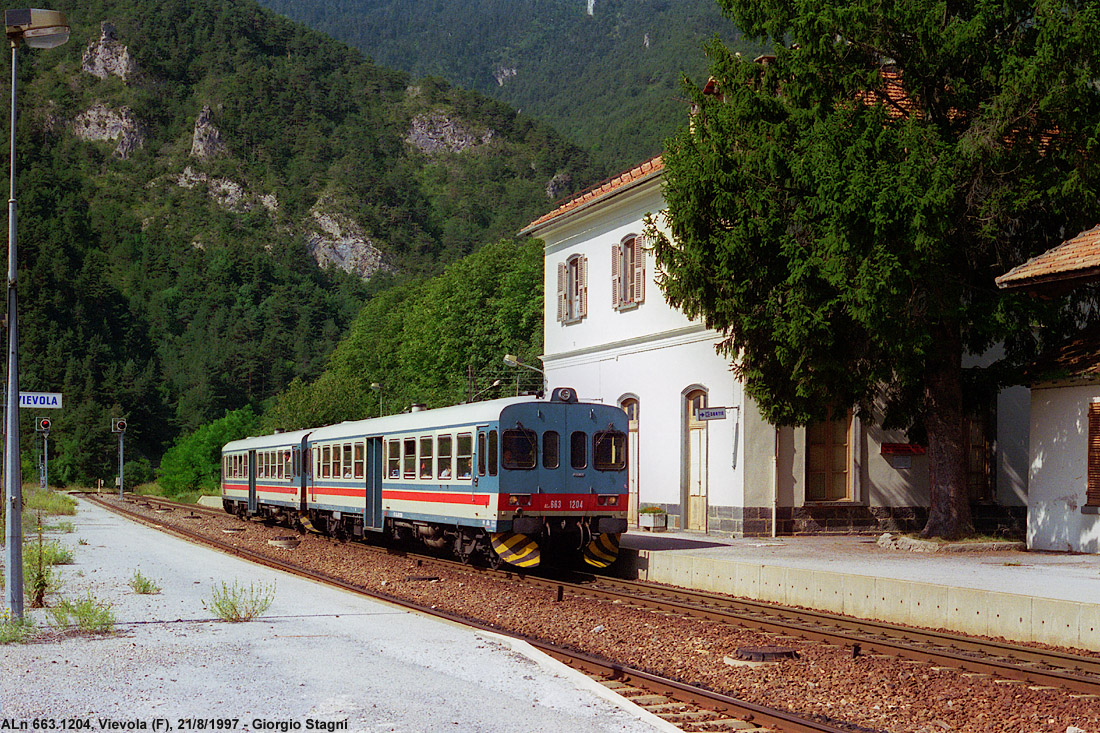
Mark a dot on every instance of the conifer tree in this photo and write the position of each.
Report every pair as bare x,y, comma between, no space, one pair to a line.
839,210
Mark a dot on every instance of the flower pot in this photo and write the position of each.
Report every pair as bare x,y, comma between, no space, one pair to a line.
653,522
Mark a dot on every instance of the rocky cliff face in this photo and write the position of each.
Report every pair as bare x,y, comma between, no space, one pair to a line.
107,56
103,123
435,132
206,142
337,241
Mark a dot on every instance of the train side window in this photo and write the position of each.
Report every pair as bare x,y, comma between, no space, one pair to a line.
492,453
426,458
443,443
481,454
410,457
550,457
578,450
326,461
360,451
393,470
347,460
336,461
296,463
609,450
465,455
519,449
265,464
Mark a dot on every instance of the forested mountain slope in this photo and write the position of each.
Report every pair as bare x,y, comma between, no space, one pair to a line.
605,73
204,188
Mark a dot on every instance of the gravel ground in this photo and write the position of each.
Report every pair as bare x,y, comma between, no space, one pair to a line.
866,693
319,658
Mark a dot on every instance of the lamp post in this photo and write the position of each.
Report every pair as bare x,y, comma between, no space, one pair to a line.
377,387
513,361
38,29
496,383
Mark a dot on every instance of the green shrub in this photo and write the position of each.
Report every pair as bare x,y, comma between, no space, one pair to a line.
14,631
236,603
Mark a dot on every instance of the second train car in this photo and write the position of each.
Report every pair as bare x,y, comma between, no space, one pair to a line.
512,480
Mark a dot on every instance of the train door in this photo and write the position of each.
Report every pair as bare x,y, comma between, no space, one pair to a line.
252,482
486,450
372,517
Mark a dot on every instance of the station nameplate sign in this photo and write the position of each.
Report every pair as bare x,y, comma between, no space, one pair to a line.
48,400
711,413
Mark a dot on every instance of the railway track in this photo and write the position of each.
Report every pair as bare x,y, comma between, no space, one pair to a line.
976,657
1033,665
688,707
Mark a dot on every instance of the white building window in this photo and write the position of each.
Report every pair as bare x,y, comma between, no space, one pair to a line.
573,289
628,272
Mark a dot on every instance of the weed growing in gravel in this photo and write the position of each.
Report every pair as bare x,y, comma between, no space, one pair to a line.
142,585
14,631
51,553
49,501
87,615
82,541
236,603
64,526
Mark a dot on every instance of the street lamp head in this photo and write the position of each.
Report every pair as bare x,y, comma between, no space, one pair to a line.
511,360
37,28
376,386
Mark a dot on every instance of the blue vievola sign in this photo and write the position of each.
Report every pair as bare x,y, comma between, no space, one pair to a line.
50,400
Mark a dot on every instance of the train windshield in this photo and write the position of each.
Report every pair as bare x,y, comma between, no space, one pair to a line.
519,449
610,450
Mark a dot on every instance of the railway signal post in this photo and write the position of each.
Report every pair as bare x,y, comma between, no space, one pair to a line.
118,425
42,426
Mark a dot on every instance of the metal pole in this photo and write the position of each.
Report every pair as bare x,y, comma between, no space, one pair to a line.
12,478
46,459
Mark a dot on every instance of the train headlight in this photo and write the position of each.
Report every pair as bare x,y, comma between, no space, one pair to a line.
607,500
519,500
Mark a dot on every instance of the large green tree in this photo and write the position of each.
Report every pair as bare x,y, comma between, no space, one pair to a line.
840,209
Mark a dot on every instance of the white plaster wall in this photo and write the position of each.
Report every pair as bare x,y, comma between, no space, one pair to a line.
657,373
593,234
1059,461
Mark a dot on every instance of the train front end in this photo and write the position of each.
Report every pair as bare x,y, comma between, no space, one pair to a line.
563,480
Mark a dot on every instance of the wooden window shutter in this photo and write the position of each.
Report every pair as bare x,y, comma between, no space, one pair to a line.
1092,491
563,276
616,276
638,296
582,264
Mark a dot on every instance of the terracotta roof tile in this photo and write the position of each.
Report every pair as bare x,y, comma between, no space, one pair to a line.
651,166
1074,258
1077,358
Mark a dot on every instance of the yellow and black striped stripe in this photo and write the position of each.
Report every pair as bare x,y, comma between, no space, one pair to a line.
516,549
603,550
304,519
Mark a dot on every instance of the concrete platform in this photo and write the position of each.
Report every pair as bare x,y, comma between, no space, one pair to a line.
1052,598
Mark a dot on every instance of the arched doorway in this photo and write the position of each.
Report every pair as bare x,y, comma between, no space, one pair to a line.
696,519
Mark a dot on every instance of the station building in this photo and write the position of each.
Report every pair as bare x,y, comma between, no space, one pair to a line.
1064,449
700,449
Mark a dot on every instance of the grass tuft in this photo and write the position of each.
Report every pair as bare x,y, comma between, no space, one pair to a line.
86,615
237,603
142,585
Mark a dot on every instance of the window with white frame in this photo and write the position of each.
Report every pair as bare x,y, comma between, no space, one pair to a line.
573,289
628,272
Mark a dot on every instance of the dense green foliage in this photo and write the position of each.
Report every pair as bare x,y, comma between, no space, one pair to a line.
608,81
421,340
143,297
844,234
194,462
